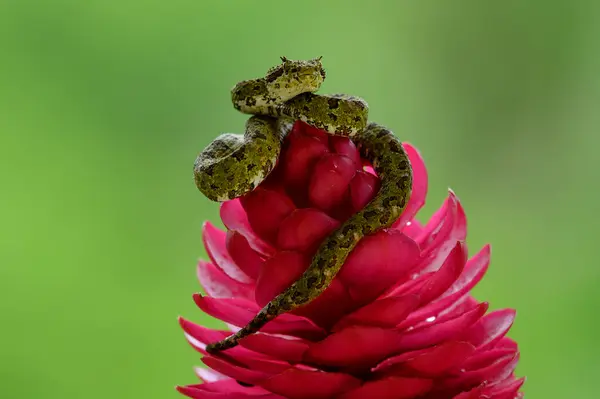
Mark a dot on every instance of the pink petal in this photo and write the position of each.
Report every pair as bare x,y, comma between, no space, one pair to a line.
329,307
354,346
506,390
307,130
430,362
410,286
418,280
363,188
234,218
473,272
278,273
224,385
305,151
439,332
446,227
475,393
214,243
226,389
445,275
381,368
302,384
484,358
262,364
419,186
413,228
247,259
471,275
239,312
507,342
498,370
208,375
386,312
305,229
329,181
218,285
377,262
236,372
501,373
442,358
491,328
199,336
266,209
344,146
290,350
367,167
391,388
462,305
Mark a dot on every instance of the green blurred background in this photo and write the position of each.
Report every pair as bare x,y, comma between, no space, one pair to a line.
105,104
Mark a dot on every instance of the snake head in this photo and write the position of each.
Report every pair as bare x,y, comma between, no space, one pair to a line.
293,77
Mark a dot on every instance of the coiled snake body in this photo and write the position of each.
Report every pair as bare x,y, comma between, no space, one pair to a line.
233,165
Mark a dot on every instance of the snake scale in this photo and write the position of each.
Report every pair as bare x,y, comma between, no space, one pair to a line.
233,165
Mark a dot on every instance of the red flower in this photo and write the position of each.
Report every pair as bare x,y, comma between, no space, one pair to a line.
397,322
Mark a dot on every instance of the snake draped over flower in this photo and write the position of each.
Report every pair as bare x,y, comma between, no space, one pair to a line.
233,165
329,285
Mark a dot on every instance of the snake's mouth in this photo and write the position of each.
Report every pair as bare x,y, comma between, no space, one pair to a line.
313,79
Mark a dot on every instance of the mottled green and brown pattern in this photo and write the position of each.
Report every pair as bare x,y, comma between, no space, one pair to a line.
336,114
232,166
287,91
282,82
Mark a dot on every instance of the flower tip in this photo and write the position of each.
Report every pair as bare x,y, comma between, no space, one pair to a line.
487,249
199,371
452,195
182,390
512,315
484,306
197,297
506,316
461,245
207,227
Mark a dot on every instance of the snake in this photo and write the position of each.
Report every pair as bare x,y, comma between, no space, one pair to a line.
232,165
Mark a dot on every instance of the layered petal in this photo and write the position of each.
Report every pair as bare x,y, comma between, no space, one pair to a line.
391,388
329,181
266,209
377,262
296,383
419,186
218,285
235,219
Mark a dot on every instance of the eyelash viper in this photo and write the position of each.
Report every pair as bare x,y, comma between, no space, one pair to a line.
233,165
